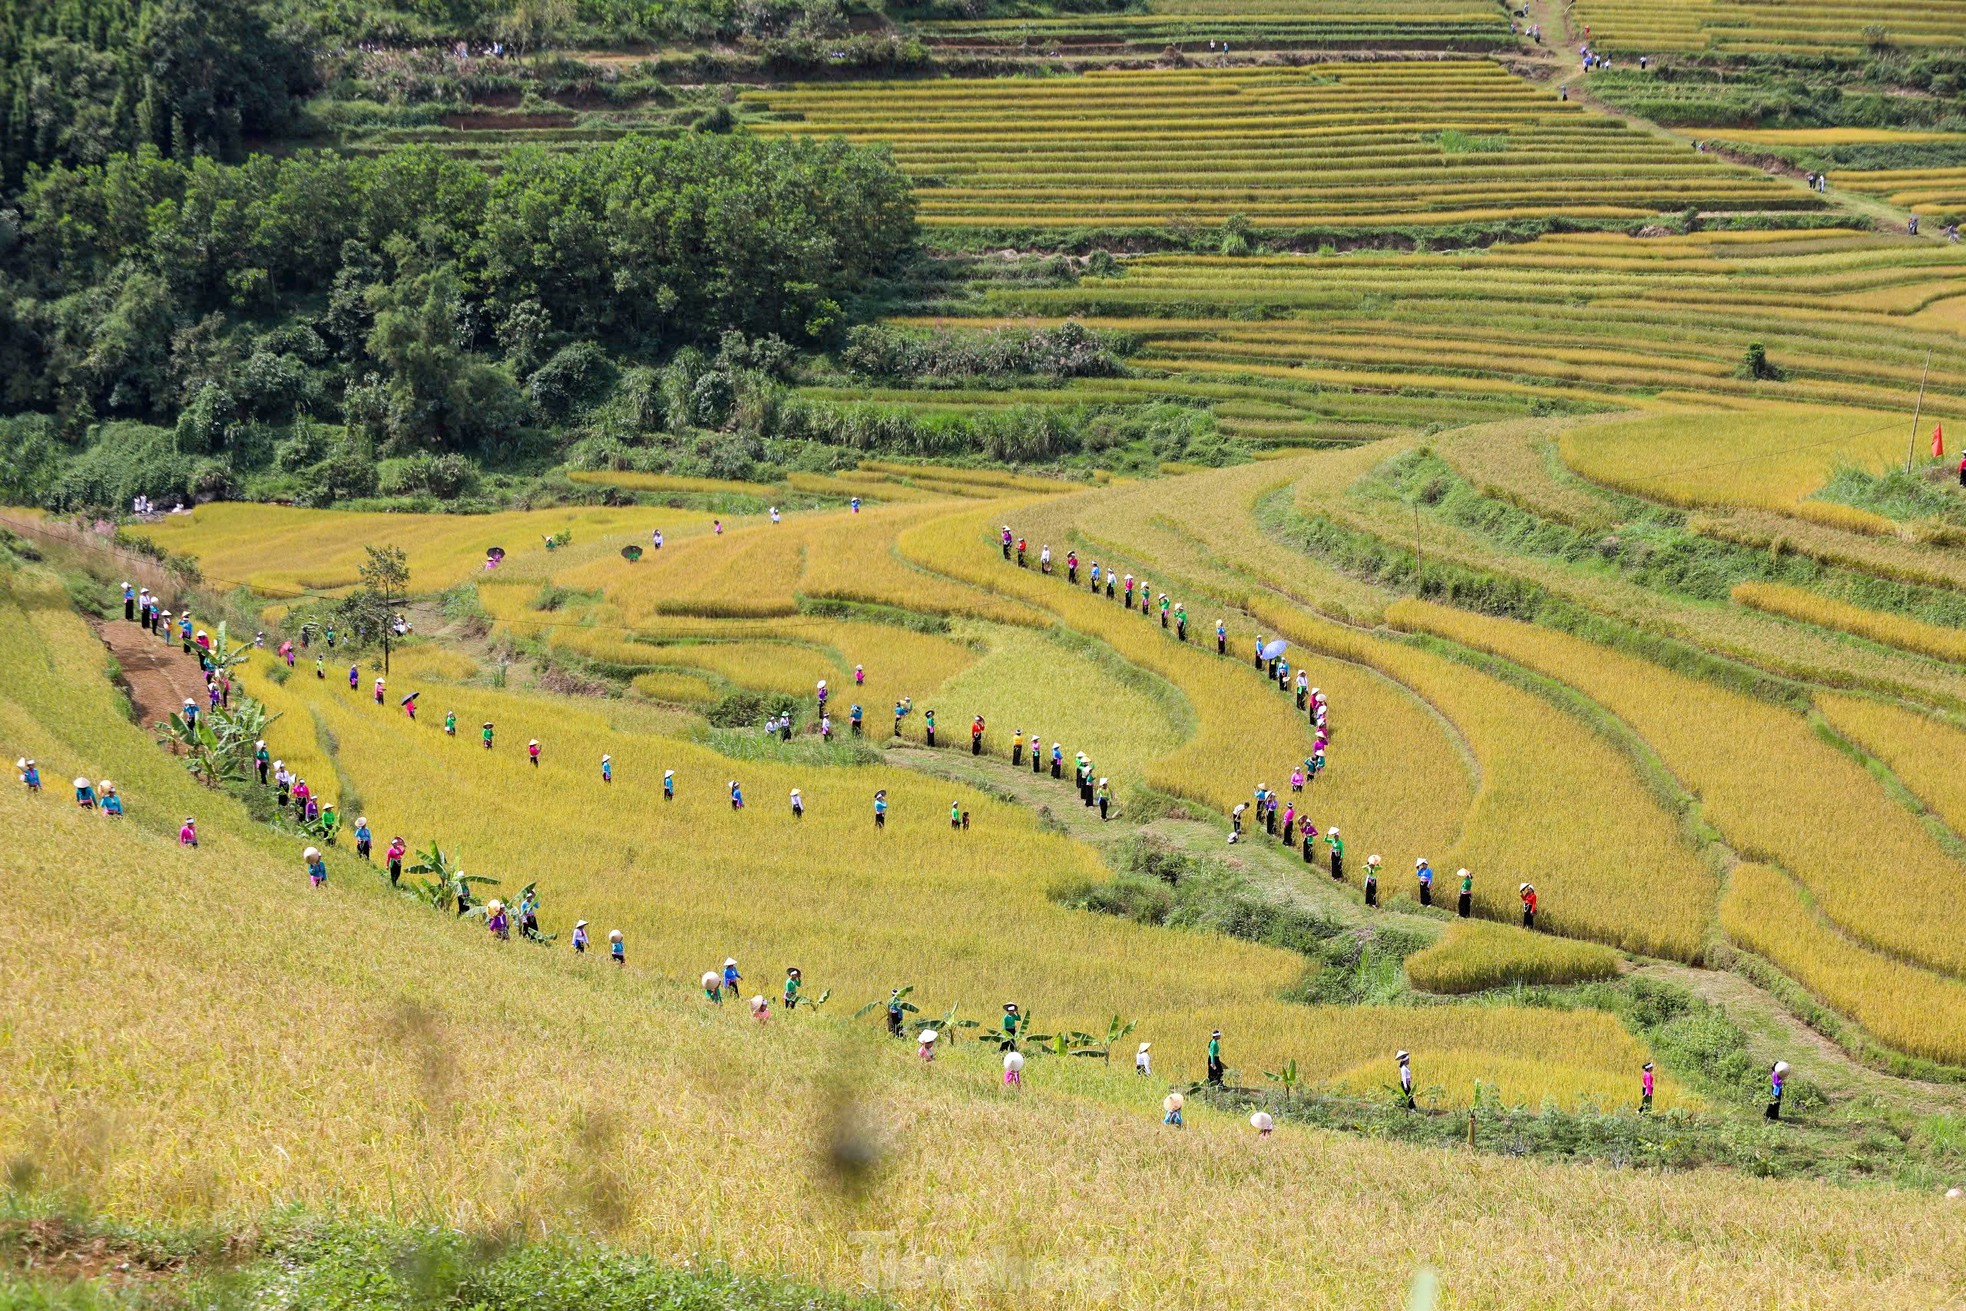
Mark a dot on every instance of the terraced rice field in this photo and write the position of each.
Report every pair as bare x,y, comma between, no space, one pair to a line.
1294,349
1193,24
1337,145
1773,26
1935,192
1770,457
1862,872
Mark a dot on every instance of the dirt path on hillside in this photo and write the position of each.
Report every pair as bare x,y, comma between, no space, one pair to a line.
157,675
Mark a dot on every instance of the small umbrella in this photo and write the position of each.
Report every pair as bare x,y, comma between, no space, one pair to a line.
631,553
496,553
411,697
1273,649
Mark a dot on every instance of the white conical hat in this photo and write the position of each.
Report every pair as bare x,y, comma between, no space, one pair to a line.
710,977
1261,1122
81,782
312,853
1172,1102
929,1035
757,1003
1013,1061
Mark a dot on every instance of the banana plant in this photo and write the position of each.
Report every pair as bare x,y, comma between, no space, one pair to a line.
948,1024
204,755
224,653
1287,1076
880,1003
1102,1047
444,885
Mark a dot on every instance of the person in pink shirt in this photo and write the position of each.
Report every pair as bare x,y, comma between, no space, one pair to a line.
188,835
1645,1089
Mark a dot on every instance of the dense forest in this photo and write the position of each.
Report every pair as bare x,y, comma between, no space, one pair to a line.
193,324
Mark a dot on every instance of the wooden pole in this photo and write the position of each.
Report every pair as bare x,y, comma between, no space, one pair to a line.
1918,411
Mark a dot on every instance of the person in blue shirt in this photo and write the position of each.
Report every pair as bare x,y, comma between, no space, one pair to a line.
607,769
855,502
191,712
317,869
30,774
112,805
363,838
1221,638
853,718
129,603
736,796
668,785
880,809
731,976
85,794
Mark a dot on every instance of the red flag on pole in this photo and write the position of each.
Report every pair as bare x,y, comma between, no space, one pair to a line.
1938,441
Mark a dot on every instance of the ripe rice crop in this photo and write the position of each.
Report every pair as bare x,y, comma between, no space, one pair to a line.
281,551
1911,1009
1317,346
1475,955
675,687
764,569
1877,625
1032,683
871,488
1769,458
1774,790
1066,152
1924,752
1761,26
666,482
972,478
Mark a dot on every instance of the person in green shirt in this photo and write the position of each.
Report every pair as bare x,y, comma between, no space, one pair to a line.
1105,797
488,735
1466,906
450,724
1215,1058
1337,845
1011,1020
793,981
